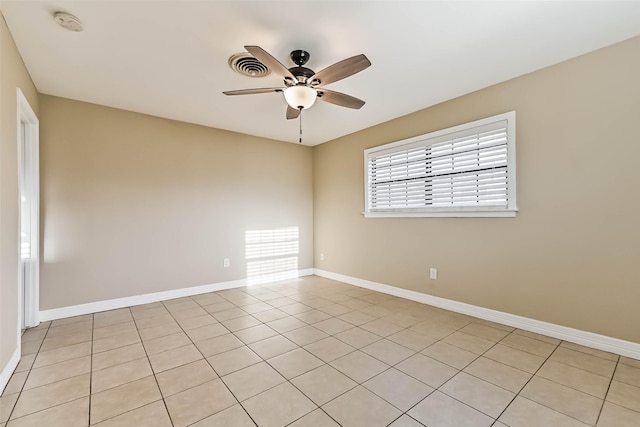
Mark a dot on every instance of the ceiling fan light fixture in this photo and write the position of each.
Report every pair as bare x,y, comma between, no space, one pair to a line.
300,96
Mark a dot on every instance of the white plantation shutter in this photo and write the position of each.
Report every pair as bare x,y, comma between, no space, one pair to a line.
466,169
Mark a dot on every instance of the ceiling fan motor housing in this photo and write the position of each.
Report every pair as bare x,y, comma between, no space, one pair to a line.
302,73
300,57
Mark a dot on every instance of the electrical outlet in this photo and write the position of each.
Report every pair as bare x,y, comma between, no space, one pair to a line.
433,273
321,257
225,262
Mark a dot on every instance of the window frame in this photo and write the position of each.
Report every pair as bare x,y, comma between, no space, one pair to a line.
431,138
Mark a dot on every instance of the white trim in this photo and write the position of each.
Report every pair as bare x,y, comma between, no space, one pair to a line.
511,160
11,366
306,272
590,339
112,304
30,151
503,213
510,115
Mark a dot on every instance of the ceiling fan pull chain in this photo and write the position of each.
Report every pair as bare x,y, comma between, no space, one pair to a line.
300,126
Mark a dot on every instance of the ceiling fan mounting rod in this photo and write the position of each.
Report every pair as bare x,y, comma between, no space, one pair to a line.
302,74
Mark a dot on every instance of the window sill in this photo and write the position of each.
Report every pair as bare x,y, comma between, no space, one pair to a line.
510,213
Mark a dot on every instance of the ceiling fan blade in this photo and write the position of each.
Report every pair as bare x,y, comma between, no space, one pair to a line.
252,91
341,70
292,113
340,99
276,66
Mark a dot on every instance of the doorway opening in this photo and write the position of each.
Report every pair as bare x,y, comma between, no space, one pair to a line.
29,214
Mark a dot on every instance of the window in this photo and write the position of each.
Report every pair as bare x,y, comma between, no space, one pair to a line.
466,170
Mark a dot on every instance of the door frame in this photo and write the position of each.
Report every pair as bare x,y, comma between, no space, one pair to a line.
29,154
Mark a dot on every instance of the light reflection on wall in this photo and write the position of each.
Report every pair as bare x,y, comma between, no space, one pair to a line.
272,254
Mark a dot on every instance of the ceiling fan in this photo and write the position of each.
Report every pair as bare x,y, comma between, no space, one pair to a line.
302,86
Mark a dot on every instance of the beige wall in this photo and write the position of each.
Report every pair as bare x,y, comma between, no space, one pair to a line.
571,255
133,204
13,75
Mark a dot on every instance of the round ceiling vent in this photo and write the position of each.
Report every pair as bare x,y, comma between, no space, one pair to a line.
244,63
68,21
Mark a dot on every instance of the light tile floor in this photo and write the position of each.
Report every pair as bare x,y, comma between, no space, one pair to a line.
309,352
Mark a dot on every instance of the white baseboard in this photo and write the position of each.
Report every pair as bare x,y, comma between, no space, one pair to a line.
112,304
7,371
590,339
306,272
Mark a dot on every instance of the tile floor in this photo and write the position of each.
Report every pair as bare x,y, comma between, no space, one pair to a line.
309,352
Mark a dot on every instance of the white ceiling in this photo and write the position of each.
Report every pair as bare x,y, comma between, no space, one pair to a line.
169,58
